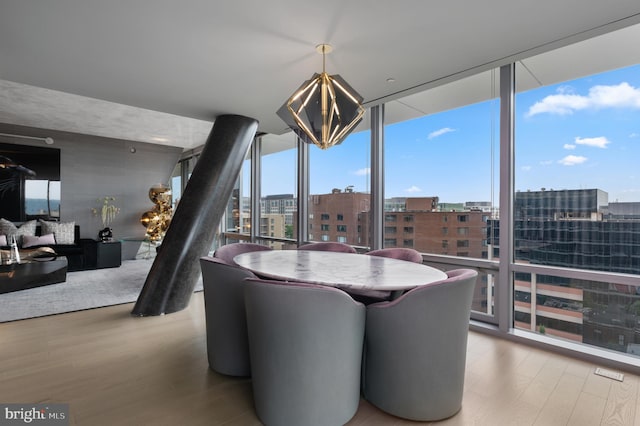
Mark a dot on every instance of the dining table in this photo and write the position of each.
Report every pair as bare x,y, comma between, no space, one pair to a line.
342,270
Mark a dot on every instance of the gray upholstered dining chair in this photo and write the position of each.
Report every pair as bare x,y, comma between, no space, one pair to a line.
401,253
328,246
229,251
416,347
226,324
305,343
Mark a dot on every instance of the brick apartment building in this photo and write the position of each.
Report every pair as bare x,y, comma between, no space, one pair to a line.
416,223
422,226
337,216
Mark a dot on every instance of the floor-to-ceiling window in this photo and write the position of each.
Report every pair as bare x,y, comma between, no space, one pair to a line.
441,169
577,197
180,175
339,193
237,217
278,198
441,173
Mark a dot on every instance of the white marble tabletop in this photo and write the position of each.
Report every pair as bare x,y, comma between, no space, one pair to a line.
345,270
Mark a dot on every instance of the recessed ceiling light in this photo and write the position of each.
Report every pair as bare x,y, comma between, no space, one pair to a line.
391,80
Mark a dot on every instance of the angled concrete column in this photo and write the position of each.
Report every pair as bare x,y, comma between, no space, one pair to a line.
175,270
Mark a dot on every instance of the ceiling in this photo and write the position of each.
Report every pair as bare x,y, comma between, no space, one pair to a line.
160,71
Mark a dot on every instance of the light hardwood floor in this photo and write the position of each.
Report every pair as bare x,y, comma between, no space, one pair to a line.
114,369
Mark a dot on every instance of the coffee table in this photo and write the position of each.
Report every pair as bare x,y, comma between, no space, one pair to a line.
32,273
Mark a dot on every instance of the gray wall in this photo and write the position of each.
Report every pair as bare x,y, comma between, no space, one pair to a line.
93,167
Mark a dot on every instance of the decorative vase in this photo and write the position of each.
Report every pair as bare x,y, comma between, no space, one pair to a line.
105,235
15,254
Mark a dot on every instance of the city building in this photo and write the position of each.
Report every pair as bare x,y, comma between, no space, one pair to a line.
274,226
420,224
577,229
337,216
284,204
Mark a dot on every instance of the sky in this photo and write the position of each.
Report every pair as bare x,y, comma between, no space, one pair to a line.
583,134
579,134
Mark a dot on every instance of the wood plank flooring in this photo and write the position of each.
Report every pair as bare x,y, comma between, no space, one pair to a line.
115,369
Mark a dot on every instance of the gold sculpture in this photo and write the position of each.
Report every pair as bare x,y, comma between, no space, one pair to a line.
157,220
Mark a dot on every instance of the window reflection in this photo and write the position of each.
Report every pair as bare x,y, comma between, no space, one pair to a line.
42,198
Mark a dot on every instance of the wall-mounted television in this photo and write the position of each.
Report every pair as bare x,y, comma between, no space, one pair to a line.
29,182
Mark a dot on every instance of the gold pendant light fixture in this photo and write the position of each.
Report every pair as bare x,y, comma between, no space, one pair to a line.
325,109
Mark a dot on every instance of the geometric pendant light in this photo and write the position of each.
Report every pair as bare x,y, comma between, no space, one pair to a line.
325,109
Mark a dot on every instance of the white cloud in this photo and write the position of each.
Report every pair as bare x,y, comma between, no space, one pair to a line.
634,135
569,146
363,172
440,132
618,96
600,142
622,95
558,104
413,189
572,160
526,168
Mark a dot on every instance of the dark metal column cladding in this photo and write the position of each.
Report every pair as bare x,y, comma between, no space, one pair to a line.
176,268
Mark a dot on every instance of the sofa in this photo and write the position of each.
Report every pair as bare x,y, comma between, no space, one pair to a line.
63,238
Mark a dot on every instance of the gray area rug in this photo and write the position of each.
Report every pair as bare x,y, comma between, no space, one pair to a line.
82,290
